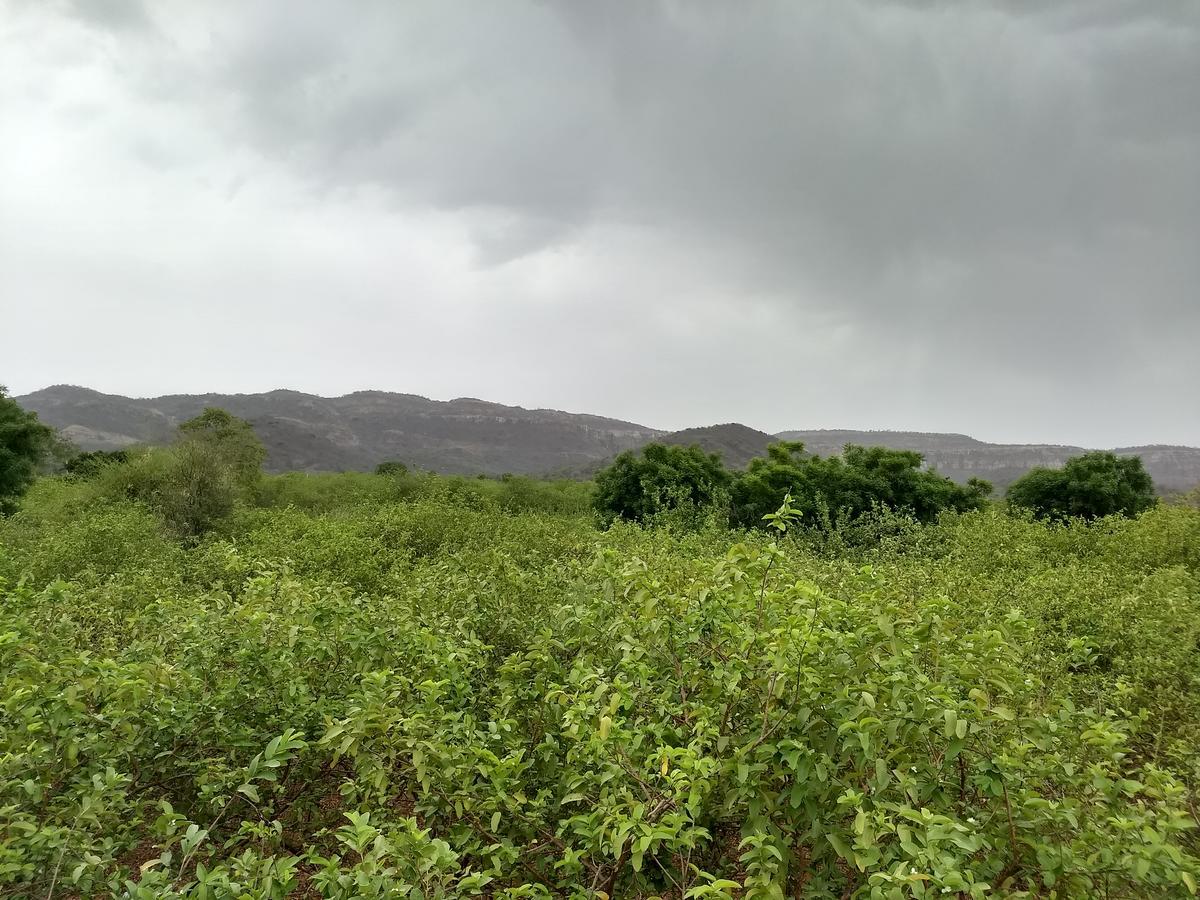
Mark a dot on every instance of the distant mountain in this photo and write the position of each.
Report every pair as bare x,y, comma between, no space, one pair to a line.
960,457
303,432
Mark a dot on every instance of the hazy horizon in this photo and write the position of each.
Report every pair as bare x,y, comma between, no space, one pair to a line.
799,427
971,218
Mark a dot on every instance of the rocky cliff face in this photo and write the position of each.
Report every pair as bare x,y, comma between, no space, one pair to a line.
303,432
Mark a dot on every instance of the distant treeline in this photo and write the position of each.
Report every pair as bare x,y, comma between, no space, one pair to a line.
828,491
216,463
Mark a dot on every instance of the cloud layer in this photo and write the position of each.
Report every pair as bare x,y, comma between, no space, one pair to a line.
980,217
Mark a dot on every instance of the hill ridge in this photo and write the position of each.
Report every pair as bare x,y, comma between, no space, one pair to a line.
355,431
1173,467
467,435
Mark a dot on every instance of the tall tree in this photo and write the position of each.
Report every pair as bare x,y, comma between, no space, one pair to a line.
232,439
847,486
663,476
24,442
1089,486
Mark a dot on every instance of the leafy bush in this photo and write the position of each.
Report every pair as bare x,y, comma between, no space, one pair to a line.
187,485
194,484
436,697
327,491
228,439
24,441
89,464
639,486
826,491
1090,486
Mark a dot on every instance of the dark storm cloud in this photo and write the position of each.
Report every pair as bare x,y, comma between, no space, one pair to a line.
891,124
993,208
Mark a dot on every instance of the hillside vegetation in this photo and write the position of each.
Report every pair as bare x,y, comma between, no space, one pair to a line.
415,686
304,432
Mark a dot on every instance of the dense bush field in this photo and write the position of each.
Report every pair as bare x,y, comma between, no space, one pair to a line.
358,687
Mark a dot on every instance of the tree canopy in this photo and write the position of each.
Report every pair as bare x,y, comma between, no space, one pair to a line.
232,439
391,468
24,442
195,483
845,487
638,486
1088,486
87,464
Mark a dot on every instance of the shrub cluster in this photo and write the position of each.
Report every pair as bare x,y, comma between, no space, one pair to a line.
829,491
219,684
432,697
24,441
1089,486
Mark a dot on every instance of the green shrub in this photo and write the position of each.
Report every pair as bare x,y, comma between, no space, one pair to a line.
89,464
392,468
438,696
639,486
24,442
839,489
187,485
1089,486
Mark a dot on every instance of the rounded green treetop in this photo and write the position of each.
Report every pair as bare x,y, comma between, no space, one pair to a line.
1089,486
24,442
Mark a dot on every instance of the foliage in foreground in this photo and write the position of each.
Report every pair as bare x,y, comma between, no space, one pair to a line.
433,698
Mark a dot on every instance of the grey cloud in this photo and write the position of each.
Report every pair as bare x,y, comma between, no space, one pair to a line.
865,132
119,15
1008,191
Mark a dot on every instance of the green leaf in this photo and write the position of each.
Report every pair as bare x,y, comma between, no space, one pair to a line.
860,822
882,775
842,848
951,718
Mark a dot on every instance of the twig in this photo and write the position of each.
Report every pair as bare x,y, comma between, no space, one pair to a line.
61,853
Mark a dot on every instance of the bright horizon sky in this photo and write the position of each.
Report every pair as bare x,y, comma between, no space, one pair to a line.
980,218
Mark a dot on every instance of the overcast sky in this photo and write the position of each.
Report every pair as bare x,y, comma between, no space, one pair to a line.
970,216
